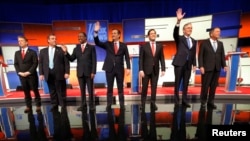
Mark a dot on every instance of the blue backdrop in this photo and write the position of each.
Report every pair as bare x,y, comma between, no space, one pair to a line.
44,11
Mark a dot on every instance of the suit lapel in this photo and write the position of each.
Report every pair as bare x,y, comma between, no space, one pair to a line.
184,40
20,55
55,53
193,43
79,48
86,47
120,45
211,46
156,48
47,53
113,47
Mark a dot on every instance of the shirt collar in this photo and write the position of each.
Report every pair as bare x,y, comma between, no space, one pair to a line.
211,40
25,49
84,44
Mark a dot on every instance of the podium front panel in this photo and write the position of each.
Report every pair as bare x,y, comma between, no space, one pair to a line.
234,72
135,75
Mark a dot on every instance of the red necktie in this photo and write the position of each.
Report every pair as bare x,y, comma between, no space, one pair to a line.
23,53
153,49
115,48
83,48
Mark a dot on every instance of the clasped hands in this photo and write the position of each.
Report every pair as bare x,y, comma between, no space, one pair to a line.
24,74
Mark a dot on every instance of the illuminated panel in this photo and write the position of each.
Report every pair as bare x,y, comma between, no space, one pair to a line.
169,49
229,23
73,78
8,55
134,30
102,34
12,79
9,33
67,31
245,22
115,26
230,44
37,33
200,26
164,28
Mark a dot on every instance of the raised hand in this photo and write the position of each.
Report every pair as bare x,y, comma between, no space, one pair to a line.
64,48
179,14
97,26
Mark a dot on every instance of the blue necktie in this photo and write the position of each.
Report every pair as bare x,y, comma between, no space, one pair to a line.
214,46
188,42
51,58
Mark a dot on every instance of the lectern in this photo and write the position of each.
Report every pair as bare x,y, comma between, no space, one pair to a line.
135,89
2,82
232,73
45,87
135,74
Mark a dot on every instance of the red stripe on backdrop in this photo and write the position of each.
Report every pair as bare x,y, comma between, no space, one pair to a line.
37,34
67,31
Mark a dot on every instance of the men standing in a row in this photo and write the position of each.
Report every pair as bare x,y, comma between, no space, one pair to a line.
85,55
184,60
114,63
54,69
25,63
211,59
151,54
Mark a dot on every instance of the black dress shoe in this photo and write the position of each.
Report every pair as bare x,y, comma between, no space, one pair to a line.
186,104
211,105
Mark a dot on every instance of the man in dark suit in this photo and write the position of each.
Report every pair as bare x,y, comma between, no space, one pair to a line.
185,58
114,63
150,55
211,59
86,68
54,69
25,63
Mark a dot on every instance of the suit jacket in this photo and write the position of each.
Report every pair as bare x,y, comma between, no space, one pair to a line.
183,53
147,61
209,59
61,63
86,61
29,63
113,59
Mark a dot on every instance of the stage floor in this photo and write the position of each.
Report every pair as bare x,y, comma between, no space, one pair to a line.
163,93
116,124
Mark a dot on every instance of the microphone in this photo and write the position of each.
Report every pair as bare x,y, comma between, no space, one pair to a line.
133,50
232,47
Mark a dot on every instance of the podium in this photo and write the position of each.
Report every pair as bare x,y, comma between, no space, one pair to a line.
135,74
2,80
232,73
